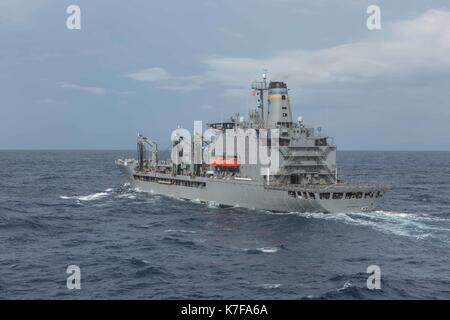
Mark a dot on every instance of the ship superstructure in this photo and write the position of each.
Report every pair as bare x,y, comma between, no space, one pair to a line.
305,179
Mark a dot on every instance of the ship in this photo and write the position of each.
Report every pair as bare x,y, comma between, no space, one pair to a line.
304,180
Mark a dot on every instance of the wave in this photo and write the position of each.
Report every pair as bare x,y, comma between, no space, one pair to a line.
90,197
269,285
355,287
147,225
49,177
150,271
138,262
180,231
264,250
6,209
418,226
213,205
145,268
143,226
121,194
347,291
126,195
26,223
268,249
94,196
181,242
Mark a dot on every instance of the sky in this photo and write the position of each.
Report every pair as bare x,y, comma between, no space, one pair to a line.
150,66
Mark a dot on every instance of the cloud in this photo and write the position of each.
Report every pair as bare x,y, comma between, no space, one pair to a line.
91,90
403,49
16,12
150,75
181,87
166,81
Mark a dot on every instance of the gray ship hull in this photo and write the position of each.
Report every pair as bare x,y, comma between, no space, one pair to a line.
256,195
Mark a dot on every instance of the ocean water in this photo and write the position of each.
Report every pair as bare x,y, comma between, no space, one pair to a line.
59,208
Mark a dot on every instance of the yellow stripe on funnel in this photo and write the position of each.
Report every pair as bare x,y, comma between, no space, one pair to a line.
277,96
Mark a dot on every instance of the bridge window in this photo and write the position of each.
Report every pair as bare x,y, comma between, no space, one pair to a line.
359,195
338,195
283,97
324,196
284,114
291,193
312,195
321,142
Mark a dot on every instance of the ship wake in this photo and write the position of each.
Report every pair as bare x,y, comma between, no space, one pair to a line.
413,225
124,192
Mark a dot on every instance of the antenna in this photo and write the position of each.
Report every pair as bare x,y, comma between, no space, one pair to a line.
261,86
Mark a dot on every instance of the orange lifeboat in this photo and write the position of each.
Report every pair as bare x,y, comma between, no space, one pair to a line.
224,162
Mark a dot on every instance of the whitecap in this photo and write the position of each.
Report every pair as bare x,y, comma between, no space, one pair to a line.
94,196
180,231
213,205
145,226
90,197
346,285
126,195
269,285
268,249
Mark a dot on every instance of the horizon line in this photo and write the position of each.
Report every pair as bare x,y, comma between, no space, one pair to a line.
367,150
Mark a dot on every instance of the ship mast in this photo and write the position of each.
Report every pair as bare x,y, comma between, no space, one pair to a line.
260,87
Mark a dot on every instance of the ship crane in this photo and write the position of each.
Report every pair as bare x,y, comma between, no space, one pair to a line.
141,150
